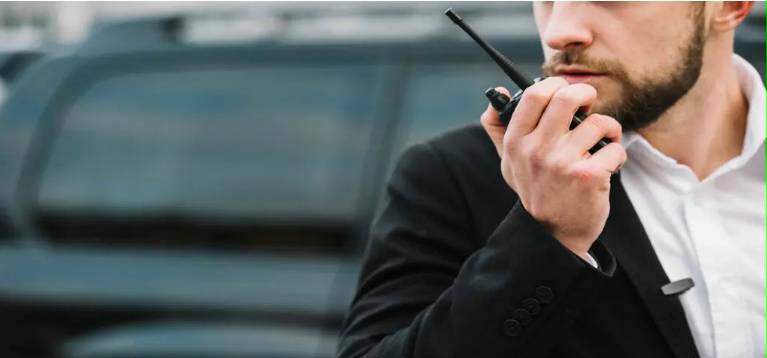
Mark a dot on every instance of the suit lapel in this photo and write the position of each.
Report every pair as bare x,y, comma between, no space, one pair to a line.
625,236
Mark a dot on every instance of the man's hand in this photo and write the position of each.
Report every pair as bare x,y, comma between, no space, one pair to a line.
558,182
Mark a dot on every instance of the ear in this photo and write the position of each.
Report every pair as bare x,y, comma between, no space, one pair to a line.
729,14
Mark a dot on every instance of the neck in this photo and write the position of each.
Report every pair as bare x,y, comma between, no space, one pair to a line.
706,127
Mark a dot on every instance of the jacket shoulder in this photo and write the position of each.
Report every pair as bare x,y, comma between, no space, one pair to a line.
465,144
469,158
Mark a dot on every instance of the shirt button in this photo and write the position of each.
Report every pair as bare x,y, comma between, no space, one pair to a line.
544,294
531,305
522,315
512,327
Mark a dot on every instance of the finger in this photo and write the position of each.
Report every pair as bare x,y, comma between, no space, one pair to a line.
493,127
610,158
588,133
533,103
556,119
491,117
492,124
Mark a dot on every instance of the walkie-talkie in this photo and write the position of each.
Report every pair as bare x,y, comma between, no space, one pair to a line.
501,102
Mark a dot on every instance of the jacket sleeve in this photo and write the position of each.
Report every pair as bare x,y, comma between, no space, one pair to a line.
428,289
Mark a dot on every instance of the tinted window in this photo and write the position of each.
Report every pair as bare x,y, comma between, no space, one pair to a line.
265,143
444,96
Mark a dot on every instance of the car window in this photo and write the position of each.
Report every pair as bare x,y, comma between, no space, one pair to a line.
265,143
448,95
440,96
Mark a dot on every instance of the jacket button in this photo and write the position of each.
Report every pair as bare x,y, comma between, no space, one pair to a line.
522,315
544,294
531,305
512,327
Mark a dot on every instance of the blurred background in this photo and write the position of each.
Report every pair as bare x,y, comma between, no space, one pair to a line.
194,179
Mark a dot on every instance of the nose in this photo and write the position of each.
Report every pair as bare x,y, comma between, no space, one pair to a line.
567,26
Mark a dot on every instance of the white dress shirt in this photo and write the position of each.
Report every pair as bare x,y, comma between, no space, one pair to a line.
712,231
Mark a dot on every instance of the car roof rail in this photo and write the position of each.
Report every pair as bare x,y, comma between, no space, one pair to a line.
133,34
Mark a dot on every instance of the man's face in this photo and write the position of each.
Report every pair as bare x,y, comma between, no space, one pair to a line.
641,57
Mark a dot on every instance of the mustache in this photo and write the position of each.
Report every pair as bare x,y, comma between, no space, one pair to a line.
579,57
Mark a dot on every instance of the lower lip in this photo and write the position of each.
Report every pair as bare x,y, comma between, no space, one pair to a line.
581,78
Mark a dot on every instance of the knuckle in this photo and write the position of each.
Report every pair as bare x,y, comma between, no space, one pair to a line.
538,157
559,165
508,144
533,208
602,123
535,96
535,155
564,96
582,173
511,145
598,122
610,122
525,151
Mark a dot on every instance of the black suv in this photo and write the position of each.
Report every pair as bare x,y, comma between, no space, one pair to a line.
167,199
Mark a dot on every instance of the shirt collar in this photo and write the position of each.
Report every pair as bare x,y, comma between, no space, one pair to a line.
754,90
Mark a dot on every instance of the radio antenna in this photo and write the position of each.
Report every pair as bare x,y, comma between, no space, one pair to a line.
506,65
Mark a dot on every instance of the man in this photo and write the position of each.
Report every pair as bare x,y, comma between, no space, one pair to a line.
507,242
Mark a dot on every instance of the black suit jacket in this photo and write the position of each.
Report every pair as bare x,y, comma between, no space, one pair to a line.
455,267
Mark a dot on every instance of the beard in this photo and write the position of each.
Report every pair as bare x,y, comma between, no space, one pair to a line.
643,100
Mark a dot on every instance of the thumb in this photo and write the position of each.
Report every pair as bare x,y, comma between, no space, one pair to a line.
492,124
